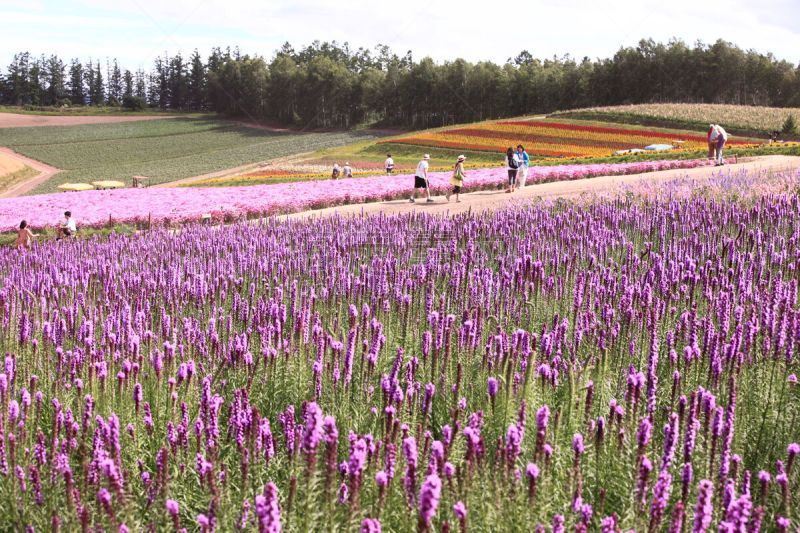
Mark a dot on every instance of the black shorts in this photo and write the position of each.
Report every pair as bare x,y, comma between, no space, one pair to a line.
456,189
512,176
420,183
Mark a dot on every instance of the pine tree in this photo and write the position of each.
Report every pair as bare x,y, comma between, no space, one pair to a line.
140,90
197,83
789,125
35,89
114,84
94,81
56,90
77,94
127,79
18,80
178,83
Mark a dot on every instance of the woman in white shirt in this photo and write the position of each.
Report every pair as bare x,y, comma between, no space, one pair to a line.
389,164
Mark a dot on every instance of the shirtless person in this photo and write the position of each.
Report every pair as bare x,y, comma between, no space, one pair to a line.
24,236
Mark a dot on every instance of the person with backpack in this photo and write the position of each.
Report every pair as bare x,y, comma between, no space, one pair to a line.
421,179
457,179
525,161
512,165
389,164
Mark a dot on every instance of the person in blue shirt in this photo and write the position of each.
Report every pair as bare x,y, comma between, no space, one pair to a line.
525,161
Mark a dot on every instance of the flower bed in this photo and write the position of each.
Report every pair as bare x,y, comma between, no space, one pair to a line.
553,139
95,208
616,366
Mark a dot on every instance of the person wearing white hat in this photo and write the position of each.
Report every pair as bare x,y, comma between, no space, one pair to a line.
421,179
457,179
347,170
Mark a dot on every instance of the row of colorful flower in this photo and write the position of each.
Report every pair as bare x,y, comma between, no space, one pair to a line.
553,139
94,208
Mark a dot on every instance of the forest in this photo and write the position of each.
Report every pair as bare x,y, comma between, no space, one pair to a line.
330,85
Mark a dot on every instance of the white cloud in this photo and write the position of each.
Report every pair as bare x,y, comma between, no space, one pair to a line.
137,30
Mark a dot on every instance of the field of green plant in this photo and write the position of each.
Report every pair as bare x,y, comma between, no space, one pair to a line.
165,150
748,119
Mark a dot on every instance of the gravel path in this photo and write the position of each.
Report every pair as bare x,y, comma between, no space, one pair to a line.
493,200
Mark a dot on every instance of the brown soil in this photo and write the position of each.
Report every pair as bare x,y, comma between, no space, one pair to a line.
16,120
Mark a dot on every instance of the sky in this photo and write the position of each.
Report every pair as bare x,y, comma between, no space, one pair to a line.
136,31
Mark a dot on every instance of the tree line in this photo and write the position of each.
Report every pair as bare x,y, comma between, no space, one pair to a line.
328,85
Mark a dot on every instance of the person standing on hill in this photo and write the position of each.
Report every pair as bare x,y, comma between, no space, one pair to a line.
421,179
389,164
722,138
512,165
457,179
525,161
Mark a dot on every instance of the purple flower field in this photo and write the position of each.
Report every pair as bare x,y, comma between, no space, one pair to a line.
94,208
624,364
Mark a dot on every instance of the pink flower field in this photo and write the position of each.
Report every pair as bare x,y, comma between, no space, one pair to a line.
94,208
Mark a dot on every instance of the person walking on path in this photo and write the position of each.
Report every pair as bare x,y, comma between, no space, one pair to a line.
525,161
721,138
712,141
389,164
512,165
24,236
67,228
457,179
421,179
347,171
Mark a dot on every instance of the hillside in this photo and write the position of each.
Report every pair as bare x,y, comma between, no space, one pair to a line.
163,150
549,141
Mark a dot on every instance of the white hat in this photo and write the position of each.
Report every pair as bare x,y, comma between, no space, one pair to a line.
462,157
426,156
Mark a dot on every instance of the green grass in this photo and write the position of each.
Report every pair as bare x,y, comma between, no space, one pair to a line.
9,238
165,150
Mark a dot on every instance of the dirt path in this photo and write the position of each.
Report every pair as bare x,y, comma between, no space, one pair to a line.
45,173
19,120
493,200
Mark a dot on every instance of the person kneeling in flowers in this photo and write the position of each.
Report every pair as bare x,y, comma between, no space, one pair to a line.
457,179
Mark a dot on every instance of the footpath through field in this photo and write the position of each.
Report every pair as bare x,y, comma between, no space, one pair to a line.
601,185
19,189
